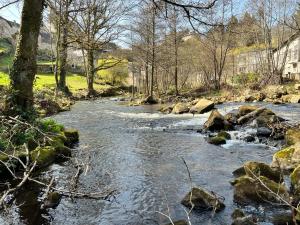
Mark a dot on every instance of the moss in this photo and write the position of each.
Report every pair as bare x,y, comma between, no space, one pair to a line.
292,136
286,153
52,126
44,156
225,135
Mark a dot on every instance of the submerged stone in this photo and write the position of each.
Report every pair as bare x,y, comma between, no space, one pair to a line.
202,200
217,140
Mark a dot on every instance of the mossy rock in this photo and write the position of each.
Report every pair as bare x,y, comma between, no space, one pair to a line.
72,136
283,159
217,140
52,200
256,169
292,136
225,135
248,190
295,180
44,156
202,200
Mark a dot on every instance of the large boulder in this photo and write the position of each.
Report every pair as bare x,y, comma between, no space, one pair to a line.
181,108
217,122
287,158
258,190
202,106
256,169
201,199
245,109
295,180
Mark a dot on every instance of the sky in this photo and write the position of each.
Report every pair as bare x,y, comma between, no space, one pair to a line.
12,13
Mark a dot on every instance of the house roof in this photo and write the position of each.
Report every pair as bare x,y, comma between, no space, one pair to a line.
288,41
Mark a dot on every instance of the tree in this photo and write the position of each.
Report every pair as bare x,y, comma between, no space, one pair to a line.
24,65
94,28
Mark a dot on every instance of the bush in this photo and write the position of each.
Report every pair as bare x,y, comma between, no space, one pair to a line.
245,78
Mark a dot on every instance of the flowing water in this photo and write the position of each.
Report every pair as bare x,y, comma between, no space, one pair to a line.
139,153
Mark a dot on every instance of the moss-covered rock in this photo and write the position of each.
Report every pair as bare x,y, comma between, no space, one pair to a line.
256,169
72,136
292,136
287,158
295,180
202,199
44,156
181,108
217,140
52,200
225,135
249,190
202,106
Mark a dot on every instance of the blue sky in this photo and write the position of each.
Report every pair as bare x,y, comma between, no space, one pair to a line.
11,13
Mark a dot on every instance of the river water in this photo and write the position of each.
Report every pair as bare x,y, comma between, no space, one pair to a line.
139,153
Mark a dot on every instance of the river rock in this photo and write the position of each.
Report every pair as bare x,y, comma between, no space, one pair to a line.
203,200
72,136
231,118
283,218
249,138
249,190
237,213
216,122
217,140
256,169
292,136
167,109
149,100
224,134
239,172
202,106
179,222
246,220
181,108
245,109
263,132
287,158
295,99
295,180
52,200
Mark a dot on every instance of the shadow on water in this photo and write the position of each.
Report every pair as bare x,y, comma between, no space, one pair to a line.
138,152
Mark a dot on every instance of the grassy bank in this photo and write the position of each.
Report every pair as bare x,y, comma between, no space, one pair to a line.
75,82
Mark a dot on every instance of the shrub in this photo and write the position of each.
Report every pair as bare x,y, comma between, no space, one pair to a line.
50,125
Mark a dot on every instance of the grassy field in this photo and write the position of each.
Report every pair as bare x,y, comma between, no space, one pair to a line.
74,81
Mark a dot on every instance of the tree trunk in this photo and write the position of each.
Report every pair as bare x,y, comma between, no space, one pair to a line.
24,66
153,52
90,74
63,51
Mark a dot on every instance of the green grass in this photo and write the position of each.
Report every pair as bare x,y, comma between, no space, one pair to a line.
74,81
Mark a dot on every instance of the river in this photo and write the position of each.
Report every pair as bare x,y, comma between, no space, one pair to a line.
139,153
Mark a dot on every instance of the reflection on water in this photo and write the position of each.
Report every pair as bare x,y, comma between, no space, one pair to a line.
138,152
